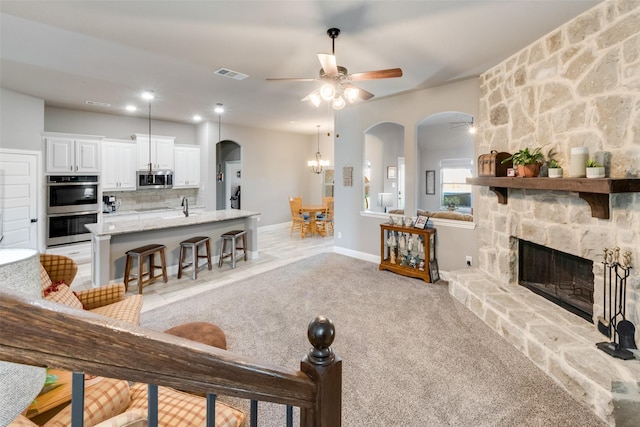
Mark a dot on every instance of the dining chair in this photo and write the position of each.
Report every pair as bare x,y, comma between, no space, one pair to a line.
324,221
298,221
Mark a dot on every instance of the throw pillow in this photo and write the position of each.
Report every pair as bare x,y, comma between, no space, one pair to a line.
59,292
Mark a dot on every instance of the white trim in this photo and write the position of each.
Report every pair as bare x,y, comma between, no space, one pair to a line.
453,223
70,135
356,254
440,222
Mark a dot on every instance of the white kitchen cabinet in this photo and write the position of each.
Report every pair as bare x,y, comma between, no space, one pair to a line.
162,151
72,154
187,166
119,160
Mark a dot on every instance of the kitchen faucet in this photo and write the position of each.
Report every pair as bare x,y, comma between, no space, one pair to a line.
185,206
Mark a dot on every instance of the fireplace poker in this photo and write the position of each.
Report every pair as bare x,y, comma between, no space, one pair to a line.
604,323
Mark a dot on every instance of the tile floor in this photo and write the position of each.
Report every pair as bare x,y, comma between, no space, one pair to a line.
275,249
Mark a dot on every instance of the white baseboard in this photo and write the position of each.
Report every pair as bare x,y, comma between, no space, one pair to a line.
356,254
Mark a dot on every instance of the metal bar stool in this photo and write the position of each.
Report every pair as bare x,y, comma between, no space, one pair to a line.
194,243
140,254
232,236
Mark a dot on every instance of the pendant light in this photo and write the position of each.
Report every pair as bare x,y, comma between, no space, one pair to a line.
219,109
317,165
148,95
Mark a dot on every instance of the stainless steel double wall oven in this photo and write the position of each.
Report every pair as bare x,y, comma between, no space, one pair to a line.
72,202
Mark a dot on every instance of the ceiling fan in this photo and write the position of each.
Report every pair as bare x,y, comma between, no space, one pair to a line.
337,82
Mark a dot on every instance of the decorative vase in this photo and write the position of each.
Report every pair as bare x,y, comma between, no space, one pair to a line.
597,172
529,171
555,172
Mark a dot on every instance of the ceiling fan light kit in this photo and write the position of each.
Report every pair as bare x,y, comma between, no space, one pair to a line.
337,84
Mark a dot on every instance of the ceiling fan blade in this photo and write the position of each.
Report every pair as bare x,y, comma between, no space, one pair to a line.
362,94
378,74
308,96
329,64
291,80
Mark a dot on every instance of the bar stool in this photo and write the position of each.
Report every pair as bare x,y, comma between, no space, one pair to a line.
140,254
194,243
232,236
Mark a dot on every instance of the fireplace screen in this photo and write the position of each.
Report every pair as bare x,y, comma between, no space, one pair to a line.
562,278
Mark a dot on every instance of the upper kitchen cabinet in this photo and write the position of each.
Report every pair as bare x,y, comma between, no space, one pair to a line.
187,171
119,161
161,153
72,154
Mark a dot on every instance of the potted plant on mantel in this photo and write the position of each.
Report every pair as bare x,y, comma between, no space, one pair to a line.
555,170
594,169
527,162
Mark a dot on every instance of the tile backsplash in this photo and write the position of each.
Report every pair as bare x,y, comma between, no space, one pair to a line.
149,199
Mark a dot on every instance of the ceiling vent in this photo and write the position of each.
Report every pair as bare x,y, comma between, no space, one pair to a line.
97,104
230,74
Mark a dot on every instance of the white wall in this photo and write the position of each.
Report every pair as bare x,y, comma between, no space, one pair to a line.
274,163
361,233
21,121
114,126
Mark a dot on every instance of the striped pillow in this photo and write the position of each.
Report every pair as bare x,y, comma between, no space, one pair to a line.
177,408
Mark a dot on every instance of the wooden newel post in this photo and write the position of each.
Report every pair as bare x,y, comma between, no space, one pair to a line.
325,368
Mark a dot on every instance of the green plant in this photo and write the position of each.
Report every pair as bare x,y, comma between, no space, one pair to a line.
526,157
451,201
553,163
591,163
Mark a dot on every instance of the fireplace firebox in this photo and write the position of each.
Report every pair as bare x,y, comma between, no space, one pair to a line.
565,279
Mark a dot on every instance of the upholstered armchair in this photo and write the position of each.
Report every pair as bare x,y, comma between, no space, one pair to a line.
114,403
58,271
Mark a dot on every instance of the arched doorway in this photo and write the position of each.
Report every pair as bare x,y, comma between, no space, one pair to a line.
228,175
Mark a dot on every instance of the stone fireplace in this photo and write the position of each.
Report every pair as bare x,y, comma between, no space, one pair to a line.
562,278
579,86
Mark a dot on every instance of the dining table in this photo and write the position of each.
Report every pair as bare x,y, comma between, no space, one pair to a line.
312,210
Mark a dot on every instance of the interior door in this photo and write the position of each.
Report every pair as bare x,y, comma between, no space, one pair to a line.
18,199
234,180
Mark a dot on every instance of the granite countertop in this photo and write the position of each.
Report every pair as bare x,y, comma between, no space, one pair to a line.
173,219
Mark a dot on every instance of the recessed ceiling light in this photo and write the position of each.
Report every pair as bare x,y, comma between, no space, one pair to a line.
131,108
148,95
197,118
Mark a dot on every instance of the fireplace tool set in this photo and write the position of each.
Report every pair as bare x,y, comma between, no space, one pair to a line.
613,323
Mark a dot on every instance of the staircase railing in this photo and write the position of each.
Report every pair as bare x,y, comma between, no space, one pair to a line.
41,333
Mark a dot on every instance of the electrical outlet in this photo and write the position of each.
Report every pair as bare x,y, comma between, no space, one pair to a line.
469,260
339,235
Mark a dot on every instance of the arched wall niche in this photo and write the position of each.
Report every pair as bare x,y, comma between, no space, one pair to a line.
443,136
383,167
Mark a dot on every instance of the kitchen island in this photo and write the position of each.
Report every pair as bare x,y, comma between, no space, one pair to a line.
111,240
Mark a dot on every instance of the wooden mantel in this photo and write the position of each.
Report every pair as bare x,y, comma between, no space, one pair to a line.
594,191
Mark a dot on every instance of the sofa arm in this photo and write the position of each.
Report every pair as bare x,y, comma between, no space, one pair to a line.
105,399
60,268
104,295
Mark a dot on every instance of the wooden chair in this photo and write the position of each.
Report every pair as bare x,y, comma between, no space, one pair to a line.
298,222
324,221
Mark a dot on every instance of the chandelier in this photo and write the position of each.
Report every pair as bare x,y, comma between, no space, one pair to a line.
317,165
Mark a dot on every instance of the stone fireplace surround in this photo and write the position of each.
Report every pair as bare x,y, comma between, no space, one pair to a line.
579,86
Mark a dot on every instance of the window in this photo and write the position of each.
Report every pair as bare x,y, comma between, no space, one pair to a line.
455,192
327,183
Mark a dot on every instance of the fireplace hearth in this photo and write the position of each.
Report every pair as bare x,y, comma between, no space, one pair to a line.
565,279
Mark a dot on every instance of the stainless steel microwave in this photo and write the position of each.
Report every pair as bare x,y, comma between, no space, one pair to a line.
159,179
